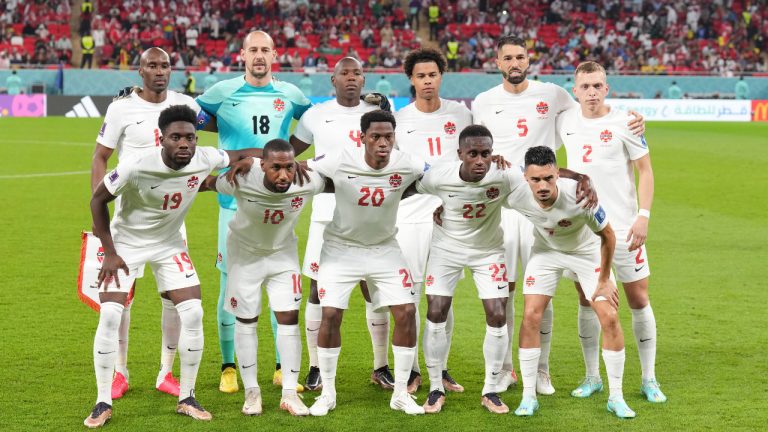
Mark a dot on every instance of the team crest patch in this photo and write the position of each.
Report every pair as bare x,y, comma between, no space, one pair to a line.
233,303
321,293
314,267
103,129
278,105
492,193
193,182
395,180
297,202
565,223
113,176
430,280
606,135
100,254
450,128
530,281
542,108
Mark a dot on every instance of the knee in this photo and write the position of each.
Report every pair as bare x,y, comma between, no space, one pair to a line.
331,317
190,313
532,318
404,314
496,318
110,315
610,320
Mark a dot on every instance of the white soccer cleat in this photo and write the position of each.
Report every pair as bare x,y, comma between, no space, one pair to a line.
322,405
294,405
544,383
252,405
508,379
406,403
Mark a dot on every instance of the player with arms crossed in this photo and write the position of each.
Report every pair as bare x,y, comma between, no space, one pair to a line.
157,189
566,239
262,249
521,114
599,143
429,129
130,127
332,127
250,111
360,244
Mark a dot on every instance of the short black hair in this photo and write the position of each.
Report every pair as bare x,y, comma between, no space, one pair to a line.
424,55
474,131
510,40
540,156
374,117
276,145
175,113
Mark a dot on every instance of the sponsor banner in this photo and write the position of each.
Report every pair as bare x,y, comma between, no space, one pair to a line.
23,105
760,110
78,106
712,110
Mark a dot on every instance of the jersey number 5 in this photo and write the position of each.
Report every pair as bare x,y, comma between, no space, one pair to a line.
376,197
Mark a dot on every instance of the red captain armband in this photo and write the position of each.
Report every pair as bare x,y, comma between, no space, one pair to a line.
203,118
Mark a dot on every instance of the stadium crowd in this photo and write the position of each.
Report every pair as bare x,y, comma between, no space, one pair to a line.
34,33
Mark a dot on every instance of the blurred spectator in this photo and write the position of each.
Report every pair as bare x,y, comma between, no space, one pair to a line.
5,61
189,84
305,84
674,91
14,84
742,89
383,86
87,46
434,18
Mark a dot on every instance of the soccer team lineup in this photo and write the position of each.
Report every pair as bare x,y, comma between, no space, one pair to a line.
397,215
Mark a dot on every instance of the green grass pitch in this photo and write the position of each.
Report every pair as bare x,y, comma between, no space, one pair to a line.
707,246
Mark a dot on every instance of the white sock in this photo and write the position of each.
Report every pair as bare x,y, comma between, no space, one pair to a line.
416,367
289,347
508,365
589,336
170,325
434,352
328,359
378,327
121,364
403,362
494,349
191,344
105,348
246,349
448,337
614,368
313,314
529,362
545,333
644,327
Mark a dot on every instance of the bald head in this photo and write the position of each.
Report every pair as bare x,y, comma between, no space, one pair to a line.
258,37
258,53
348,80
153,53
155,69
347,62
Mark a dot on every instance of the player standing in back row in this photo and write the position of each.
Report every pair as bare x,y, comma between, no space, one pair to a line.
250,111
130,127
521,114
599,144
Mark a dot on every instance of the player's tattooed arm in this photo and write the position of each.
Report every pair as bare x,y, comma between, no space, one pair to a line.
299,146
100,213
605,288
636,125
585,190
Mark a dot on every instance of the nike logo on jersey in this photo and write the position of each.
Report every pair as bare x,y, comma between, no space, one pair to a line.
194,350
189,275
140,122
250,365
452,196
410,131
328,121
234,104
297,299
637,269
250,200
499,112
645,340
351,177
154,187
570,133
110,352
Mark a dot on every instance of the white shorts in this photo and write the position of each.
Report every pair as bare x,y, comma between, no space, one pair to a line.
183,232
630,266
488,269
170,263
247,271
414,241
382,267
312,251
545,269
518,241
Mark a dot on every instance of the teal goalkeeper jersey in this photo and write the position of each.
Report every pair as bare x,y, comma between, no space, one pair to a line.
249,116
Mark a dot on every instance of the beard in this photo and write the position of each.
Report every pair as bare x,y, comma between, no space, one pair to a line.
516,79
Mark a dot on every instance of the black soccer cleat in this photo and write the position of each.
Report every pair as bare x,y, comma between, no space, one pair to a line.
314,382
383,377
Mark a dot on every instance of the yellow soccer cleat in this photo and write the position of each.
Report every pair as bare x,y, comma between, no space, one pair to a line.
228,383
277,379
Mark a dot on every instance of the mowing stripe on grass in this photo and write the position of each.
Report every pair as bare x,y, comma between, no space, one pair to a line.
22,176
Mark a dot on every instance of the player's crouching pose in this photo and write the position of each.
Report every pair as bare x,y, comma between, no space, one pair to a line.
263,250
157,190
564,241
360,244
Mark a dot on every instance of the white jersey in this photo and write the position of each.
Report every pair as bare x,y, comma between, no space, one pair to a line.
471,211
433,137
563,227
367,199
604,149
264,221
330,127
521,121
130,125
155,198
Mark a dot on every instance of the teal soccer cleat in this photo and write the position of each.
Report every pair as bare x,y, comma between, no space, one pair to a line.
620,408
652,391
527,407
590,386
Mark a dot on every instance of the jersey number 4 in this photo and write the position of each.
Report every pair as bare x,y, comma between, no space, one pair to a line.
260,125
375,197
